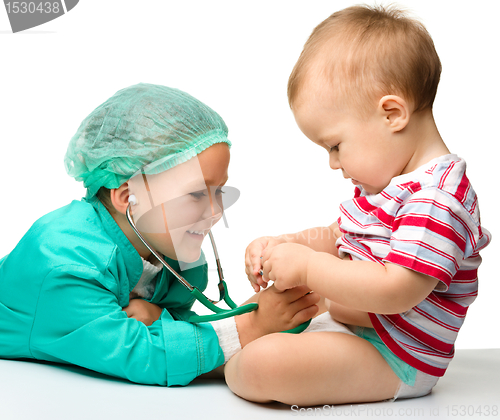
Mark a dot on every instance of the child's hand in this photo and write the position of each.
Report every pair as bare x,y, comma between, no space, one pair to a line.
253,262
277,311
286,265
143,311
281,311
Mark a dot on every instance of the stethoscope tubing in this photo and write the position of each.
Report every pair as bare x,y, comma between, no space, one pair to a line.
220,313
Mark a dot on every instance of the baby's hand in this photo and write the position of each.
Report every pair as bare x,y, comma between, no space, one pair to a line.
281,311
143,311
286,265
253,256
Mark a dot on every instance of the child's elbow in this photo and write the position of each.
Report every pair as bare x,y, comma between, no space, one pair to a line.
407,289
395,308
397,305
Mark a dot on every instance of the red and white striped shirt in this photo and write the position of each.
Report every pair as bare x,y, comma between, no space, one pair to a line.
427,221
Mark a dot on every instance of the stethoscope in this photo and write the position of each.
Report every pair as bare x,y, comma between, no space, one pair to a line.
219,313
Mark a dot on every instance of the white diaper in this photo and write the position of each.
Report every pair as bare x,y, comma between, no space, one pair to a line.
423,386
325,322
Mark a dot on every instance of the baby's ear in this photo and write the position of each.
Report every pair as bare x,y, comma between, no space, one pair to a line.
395,111
119,198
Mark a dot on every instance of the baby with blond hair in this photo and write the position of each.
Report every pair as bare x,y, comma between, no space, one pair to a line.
398,269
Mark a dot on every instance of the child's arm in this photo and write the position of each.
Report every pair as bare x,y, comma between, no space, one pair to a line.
348,316
368,286
277,311
362,285
321,239
143,311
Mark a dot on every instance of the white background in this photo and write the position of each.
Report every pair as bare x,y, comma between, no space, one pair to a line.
236,57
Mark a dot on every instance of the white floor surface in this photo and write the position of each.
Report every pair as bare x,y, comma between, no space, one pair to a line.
38,391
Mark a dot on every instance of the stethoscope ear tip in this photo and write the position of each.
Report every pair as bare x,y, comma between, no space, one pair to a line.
132,200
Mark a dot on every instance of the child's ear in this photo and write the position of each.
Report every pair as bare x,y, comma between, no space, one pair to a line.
119,198
395,111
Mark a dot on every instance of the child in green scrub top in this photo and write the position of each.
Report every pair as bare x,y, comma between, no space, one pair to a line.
92,294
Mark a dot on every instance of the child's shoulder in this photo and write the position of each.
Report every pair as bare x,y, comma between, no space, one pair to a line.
72,234
448,176
440,184
443,175
71,220
441,188
73,212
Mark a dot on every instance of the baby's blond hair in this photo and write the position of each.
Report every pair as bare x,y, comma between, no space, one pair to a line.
363,53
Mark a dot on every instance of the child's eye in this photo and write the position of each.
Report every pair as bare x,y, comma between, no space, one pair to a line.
219,191
334,148
198,194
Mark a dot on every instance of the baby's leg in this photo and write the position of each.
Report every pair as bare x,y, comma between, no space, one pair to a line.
311,369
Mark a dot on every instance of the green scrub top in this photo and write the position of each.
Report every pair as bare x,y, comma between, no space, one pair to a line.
62,290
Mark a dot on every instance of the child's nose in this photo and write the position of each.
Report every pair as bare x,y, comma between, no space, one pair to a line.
334,161
213,208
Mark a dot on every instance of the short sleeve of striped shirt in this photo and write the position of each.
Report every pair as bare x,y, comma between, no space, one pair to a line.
432,234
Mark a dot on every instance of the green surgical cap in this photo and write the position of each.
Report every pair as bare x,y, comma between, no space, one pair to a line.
139,125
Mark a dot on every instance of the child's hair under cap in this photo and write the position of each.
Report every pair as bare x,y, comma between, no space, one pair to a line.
139,125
